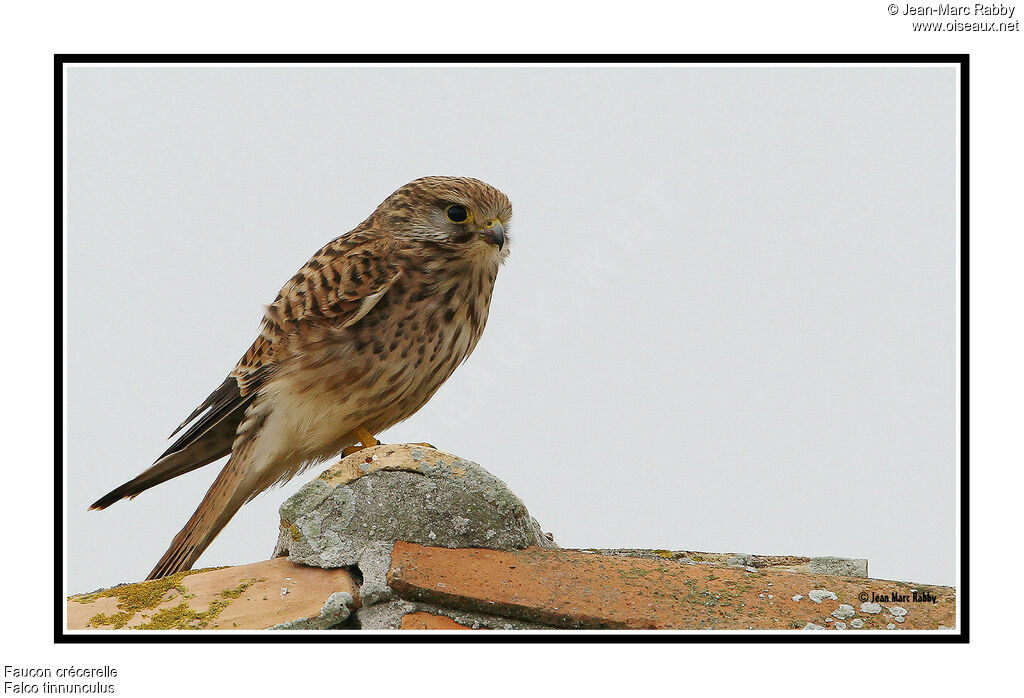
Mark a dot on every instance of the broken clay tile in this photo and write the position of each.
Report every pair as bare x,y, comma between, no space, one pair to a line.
570,589
247,597
430,621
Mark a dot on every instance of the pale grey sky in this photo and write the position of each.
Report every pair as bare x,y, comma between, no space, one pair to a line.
727,323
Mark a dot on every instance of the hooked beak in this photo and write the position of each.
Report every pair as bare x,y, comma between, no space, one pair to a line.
495,232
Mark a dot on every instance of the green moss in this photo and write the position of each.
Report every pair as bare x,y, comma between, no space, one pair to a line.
694,594
141,594
183,617
118,620
132,598
237,591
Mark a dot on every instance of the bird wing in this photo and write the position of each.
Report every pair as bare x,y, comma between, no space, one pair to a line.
338,286
341,284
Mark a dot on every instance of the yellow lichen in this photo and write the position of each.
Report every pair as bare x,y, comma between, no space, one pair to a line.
237,591
118,620
132,598
184,617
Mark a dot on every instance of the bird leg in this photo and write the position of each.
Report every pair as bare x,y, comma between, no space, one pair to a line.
365,438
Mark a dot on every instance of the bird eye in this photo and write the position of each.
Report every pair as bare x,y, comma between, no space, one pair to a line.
457,214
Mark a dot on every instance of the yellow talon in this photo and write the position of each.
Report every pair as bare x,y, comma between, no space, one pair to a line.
365,438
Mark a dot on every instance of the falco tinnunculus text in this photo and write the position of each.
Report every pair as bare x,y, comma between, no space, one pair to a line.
355,342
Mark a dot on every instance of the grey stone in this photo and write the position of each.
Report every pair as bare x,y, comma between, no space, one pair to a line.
813,626
374,564
844,611
413,494
849,567
335,611
384,616
857,623
839,625
740,560
819,595
871,607
890,626
897,611
797,597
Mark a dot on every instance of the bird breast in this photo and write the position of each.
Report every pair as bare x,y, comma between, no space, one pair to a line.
380,370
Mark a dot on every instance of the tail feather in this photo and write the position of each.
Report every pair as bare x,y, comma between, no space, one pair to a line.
222,500
210,437
213,445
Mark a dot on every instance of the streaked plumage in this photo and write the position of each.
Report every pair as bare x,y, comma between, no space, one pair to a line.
360,337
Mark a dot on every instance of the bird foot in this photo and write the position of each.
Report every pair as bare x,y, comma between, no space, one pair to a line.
366,440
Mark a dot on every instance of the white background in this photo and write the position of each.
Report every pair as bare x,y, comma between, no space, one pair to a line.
728,322
29,41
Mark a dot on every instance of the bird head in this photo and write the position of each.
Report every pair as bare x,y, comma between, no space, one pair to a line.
459,212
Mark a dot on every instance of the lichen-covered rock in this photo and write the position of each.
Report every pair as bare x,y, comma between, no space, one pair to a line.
848,567
398,492
334,612
844,611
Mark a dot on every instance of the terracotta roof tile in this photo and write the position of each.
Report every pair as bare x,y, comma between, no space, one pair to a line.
430,621
253,597
575,589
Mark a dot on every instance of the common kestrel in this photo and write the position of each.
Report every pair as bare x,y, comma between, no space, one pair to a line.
355,342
